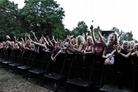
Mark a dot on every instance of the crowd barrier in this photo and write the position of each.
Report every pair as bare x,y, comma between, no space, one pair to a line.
70,71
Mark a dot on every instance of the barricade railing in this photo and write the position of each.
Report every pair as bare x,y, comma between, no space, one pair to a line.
39,63
16,57
54,71
72,69
27,60
8,56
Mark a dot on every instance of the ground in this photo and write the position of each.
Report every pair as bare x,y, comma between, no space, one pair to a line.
10,82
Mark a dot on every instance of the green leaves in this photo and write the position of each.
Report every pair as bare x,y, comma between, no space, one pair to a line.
43,15
80,29
124,35
9,17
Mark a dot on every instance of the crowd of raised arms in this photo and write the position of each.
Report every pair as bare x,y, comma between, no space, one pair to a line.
81,44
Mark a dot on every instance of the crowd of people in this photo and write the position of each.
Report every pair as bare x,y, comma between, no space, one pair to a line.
111,49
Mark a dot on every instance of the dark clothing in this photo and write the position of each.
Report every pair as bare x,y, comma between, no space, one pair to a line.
125,69
99,47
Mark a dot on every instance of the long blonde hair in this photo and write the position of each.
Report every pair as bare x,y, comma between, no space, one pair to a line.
82,39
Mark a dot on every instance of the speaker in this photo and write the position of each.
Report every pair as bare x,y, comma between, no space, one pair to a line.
107,33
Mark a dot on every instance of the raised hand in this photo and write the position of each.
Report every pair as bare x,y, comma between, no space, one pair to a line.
14,37
91,27
42,36
119,48
33,32
98,28
26,34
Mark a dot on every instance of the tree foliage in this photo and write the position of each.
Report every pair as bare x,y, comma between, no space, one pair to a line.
124,35
43,16
80,29
9,18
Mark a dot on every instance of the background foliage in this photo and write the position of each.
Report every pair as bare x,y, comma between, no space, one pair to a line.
42,17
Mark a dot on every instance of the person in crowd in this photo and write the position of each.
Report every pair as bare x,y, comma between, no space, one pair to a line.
110,49
61,49
99,43
89,45
132,45
125,64
135,52
29,45
80,44
72,43
79,48
55,53
109,56
8,41
1,45
41,44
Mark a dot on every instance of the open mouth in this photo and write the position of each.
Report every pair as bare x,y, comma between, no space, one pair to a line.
111,40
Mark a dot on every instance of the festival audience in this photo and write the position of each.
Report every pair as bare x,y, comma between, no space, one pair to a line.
125,51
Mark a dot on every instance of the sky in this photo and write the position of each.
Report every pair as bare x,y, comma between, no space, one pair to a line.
107,14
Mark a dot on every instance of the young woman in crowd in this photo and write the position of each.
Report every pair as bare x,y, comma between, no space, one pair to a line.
110,49
132,45
125,63
109,56
89,45
99,43
80,44
28,43
135,52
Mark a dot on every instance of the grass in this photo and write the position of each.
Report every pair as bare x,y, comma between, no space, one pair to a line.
10,82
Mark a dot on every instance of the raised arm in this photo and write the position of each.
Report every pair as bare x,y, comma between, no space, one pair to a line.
22,40
25,39
15,39
124,55
104,52
92,32
100,36
29,37
53,57
53,39
39,44
34,36
50,43
45,40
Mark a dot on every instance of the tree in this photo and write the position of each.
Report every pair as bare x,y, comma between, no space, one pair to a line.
128,36
80,29
9,18
43,16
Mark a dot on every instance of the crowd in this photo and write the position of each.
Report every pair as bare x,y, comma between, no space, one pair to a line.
115,52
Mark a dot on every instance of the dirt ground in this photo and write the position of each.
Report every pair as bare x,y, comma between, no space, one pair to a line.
10,82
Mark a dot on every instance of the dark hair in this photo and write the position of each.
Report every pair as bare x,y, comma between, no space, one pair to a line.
115,39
